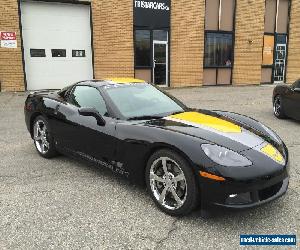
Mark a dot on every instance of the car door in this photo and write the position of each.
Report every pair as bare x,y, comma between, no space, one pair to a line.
81,134
293,101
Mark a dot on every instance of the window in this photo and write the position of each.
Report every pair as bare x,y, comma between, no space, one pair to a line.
270,16
219,36
218,50
142,48
277,16
142,99
88,97
37,53
58,52
219,15
78,53
160,35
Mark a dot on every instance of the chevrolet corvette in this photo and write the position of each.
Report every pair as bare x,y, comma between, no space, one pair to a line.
185,157
286,101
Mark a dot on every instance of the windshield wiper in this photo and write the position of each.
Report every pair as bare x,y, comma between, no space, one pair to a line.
144,117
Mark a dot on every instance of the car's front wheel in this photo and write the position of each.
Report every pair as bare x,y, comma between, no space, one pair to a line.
171,183
42,138
278,107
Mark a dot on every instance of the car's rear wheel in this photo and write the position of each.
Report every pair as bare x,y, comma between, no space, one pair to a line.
42,138
278,107
171,183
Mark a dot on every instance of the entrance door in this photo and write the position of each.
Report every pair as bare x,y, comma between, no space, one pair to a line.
280,59
160,63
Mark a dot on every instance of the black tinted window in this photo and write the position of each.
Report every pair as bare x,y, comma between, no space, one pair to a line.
58,52
88,97
37,53
142,48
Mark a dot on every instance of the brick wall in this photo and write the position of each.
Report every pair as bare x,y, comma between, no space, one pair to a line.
187,42
11,68
249,27
293,65
113,38
113,42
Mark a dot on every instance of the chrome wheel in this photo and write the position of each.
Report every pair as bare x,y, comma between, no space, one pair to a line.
277,106
168,183
40,134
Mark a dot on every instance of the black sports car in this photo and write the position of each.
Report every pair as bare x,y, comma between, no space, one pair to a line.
184,156
286,101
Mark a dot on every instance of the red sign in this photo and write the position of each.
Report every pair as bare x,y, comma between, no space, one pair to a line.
7,36
8,39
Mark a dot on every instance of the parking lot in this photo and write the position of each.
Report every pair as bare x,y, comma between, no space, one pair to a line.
61,203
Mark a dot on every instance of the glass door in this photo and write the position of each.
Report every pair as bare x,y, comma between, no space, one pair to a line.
160,63
280,59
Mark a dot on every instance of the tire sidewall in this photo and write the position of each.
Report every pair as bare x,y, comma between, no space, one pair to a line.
192,188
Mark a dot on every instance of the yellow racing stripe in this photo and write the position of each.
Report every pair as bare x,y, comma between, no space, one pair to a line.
207,121
125,80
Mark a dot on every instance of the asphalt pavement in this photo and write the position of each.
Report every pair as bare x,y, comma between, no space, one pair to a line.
65,204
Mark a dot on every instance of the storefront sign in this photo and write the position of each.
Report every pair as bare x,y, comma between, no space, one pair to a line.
151,5
152,14
8,39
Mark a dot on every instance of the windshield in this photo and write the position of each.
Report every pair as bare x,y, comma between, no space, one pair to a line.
142,100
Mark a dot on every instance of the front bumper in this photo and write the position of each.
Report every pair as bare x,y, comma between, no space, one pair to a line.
244,194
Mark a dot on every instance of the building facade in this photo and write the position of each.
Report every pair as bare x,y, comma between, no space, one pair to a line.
51,44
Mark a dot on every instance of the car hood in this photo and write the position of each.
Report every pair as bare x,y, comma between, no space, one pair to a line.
217,128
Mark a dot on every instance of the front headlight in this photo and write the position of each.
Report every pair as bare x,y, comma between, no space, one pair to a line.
272,134
224,156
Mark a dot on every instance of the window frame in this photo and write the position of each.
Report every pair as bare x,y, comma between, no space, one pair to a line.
71,92
232,50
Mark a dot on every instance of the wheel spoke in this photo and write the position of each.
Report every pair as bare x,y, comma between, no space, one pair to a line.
179,177
177,199
44,129
162,196
46,144
43,147
155,177
37,137
164,164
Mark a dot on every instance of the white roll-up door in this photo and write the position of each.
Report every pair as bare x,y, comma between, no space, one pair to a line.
57,44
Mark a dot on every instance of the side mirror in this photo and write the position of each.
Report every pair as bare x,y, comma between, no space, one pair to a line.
297,89
94,113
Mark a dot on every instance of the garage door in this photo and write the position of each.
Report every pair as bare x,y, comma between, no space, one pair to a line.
57,44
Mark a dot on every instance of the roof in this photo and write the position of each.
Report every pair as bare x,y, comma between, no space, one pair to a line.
111,81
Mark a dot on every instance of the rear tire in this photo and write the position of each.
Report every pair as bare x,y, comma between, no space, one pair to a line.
278,108
171,183
42,138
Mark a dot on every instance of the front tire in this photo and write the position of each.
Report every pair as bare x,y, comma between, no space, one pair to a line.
171,183
42,138
278,107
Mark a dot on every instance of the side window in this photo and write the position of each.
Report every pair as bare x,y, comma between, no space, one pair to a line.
88,97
